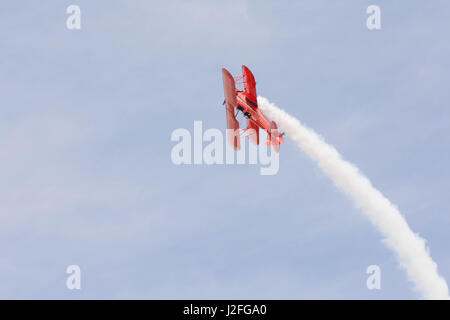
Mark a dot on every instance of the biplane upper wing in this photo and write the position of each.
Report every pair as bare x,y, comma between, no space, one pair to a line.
229,88
249,87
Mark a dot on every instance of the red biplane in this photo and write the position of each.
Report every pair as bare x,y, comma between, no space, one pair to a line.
245,101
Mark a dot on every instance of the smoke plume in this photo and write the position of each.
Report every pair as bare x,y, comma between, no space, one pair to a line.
411,249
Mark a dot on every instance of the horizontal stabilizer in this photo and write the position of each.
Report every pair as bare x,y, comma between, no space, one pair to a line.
275,138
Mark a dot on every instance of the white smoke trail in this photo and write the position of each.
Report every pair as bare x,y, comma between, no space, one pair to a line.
409,247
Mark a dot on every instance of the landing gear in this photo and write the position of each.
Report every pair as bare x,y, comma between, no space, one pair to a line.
241,109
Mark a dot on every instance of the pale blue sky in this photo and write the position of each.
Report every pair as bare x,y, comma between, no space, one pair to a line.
85,125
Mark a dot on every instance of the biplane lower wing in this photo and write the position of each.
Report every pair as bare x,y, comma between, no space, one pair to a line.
231,104
253,132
